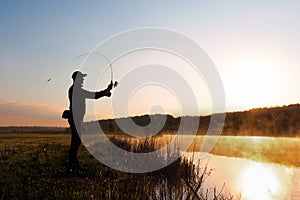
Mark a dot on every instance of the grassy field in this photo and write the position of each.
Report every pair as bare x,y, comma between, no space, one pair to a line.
10,140
33,166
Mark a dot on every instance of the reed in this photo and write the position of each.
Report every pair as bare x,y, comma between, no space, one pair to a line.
38,172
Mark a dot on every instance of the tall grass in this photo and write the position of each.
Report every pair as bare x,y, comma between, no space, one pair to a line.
39,172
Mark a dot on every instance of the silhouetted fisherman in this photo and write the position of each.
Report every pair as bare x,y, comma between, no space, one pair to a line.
77,97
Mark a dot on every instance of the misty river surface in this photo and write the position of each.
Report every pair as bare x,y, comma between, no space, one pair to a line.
252,180
253,168
250,168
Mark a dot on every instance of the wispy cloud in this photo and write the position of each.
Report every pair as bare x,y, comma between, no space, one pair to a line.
14,113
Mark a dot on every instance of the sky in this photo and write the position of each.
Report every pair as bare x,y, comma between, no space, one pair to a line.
254,45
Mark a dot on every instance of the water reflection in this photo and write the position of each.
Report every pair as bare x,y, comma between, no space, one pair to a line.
251,180
260,182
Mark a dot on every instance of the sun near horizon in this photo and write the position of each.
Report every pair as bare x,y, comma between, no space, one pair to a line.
254,46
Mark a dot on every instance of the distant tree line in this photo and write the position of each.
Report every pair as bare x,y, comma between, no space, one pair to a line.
274,121
33,129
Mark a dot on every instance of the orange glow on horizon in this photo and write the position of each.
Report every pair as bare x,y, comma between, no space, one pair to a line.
13,113
30,121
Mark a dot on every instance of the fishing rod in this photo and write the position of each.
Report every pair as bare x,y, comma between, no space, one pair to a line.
115,84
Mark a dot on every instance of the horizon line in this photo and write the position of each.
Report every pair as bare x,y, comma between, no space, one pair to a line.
235,111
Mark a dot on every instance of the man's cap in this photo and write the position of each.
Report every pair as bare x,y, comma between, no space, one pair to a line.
78,73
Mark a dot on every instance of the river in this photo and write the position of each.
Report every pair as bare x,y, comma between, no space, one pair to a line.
253,168
250,168
252,180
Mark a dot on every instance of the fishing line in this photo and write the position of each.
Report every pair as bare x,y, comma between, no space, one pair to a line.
108,61
130,52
